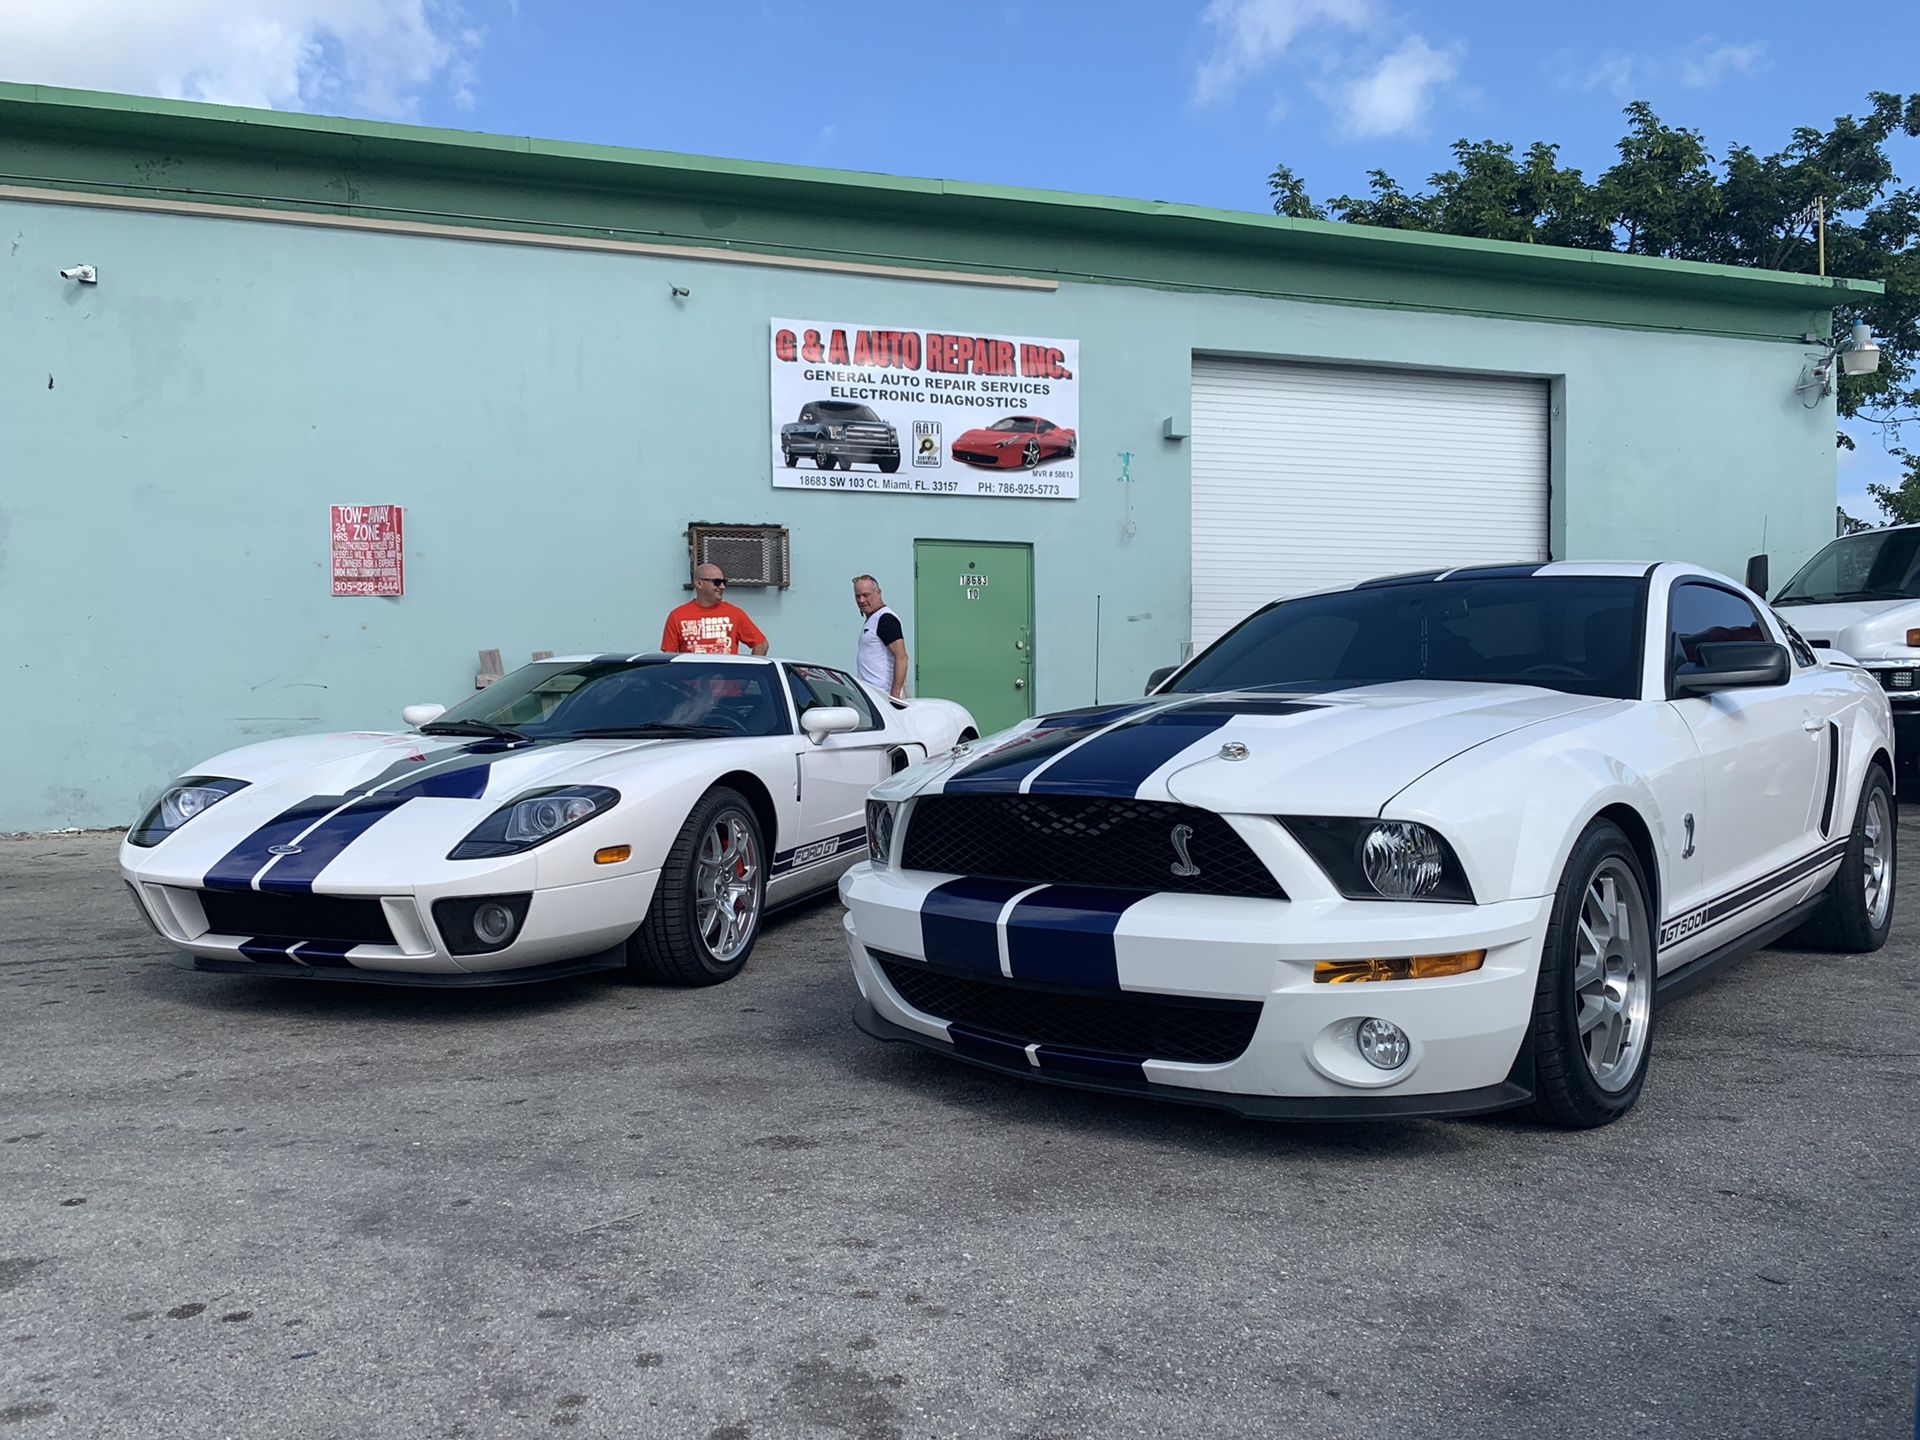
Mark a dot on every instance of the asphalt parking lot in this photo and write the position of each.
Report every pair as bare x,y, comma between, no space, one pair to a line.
246,1207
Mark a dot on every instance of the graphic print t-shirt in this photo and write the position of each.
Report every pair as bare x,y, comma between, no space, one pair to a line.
695,629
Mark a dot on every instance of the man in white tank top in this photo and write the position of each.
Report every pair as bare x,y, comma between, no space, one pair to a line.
883,644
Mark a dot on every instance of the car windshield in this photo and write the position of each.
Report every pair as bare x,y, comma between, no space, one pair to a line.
845,410
1876,565
555,700
1013,422
1579,634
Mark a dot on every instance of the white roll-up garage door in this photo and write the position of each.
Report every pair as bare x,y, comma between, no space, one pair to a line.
1306,476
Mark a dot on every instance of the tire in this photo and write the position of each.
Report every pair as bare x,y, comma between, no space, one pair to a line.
823,461
1858,914
792,459
688,938
887,467
1593,1008
1030,455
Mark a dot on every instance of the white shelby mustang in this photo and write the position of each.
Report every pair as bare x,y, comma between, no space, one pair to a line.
1434,844
580,813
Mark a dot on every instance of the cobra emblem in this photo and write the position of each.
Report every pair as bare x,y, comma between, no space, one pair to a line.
1184,866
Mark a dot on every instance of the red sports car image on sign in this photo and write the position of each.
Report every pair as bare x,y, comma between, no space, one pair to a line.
1018,442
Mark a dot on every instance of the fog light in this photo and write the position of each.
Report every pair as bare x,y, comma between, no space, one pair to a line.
494,922
1383,1044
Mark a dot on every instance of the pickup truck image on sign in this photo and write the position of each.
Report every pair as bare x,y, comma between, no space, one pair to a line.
842,433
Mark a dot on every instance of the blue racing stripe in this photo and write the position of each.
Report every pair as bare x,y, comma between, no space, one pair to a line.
235,870
295,874
328,954
985,1045
1001,769
960,923
1117,762
1064,935
1063,1060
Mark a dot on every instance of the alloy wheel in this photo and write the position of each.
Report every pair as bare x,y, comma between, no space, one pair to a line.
1613,976
727,890
1877,858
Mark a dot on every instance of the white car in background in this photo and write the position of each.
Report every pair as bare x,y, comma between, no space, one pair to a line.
579,813
1430,845
1860,595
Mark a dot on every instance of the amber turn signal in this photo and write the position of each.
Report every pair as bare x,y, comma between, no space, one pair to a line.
1406,967
1913,639
612,855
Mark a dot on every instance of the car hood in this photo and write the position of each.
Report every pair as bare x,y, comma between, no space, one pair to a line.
984,436
1861,628
435,789
1339,752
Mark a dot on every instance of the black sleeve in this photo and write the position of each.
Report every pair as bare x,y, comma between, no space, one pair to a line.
889,629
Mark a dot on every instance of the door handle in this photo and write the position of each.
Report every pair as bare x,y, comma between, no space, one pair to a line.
1813,726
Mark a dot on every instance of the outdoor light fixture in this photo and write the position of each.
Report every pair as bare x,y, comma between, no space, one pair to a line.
1859,356
85,274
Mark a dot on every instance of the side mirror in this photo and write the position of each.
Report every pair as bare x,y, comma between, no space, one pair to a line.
824,720
418,715
1757,575
1733,665
1153,680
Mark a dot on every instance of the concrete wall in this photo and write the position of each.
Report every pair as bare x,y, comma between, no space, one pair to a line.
552,421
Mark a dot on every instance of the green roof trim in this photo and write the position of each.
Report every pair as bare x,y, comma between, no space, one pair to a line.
75,139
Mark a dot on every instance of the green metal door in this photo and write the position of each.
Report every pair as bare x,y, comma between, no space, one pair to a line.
973,628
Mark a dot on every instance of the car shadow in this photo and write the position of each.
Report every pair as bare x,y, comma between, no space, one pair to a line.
249,996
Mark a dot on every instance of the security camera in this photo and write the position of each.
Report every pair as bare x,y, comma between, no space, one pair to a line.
85,274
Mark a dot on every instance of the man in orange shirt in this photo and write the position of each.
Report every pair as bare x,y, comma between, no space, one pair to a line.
706,624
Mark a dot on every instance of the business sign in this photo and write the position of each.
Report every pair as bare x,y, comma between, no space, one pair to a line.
868,408
369,551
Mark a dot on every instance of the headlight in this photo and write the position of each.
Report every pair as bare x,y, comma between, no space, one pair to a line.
881,817
179,804
1383,859
533,820
834,432
1402,860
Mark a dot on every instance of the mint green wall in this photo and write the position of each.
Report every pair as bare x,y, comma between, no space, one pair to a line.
552,421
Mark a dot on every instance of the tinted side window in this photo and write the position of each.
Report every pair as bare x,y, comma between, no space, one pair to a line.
814,685
1803,655
1706,614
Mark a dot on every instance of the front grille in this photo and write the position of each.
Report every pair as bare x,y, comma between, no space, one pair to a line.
296,917
978,457
1154,1027
1084,840
1894,679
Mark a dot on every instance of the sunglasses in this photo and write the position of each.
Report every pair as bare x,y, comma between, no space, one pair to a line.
717,584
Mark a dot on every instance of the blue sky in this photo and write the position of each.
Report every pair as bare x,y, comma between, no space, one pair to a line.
1191,101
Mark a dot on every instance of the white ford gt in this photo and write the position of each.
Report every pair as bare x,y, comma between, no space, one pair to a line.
1431,845
578,814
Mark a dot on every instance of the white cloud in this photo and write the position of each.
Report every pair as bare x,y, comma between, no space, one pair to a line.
1249,35
374,57
1393,96
1712,63
1614,72
1625,76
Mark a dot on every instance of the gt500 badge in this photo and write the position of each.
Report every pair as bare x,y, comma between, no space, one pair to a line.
1674,931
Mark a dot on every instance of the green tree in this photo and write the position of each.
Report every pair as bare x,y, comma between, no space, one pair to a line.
1667,195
